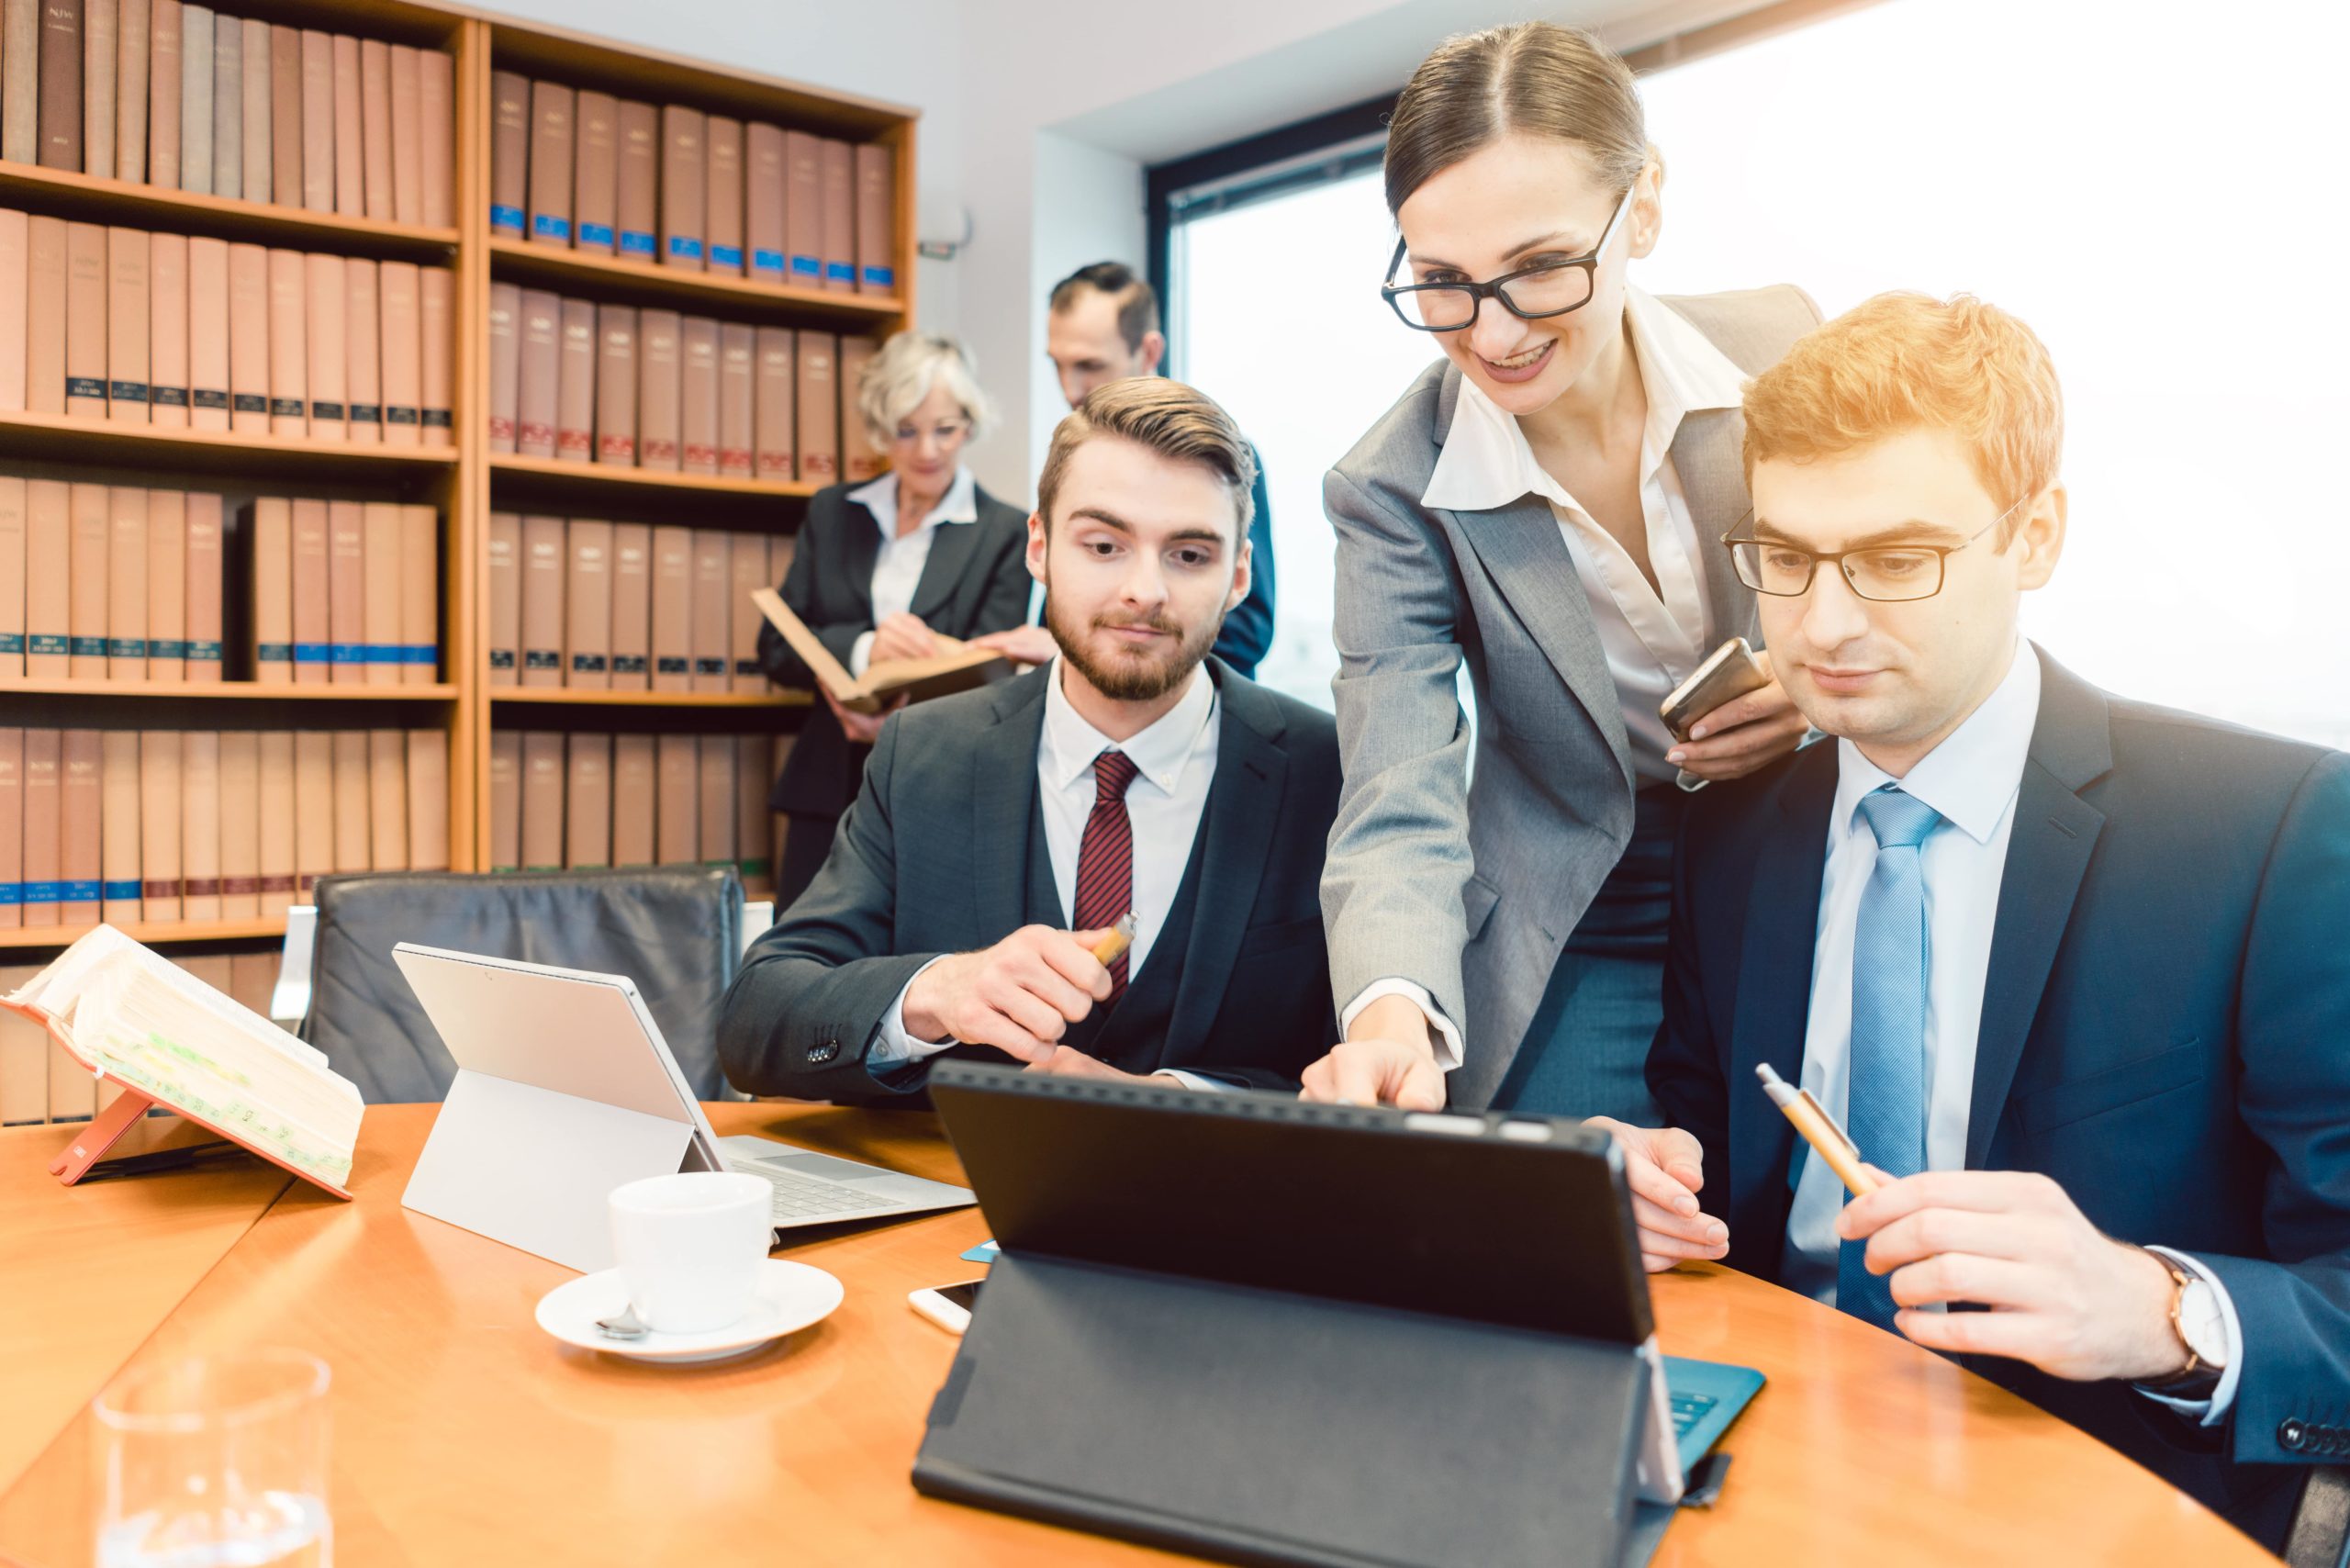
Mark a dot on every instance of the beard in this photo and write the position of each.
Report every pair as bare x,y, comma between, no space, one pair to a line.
1128,675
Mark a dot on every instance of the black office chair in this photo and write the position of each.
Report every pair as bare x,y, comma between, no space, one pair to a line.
676,931
2320,1533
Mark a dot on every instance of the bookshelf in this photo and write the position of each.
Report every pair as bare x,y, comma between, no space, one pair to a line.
464,481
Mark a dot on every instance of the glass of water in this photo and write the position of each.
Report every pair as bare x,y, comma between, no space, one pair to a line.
215,1461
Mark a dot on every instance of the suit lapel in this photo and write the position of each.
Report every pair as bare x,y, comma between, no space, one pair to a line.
1774,1000
1004,798
952,545
1707,458
1244,804
2049,849
860,548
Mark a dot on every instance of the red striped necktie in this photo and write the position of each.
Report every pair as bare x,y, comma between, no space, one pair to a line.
1106,857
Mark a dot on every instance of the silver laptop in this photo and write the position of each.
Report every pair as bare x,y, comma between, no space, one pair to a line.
501,1015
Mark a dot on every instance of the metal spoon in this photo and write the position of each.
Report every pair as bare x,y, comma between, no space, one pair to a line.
623,1324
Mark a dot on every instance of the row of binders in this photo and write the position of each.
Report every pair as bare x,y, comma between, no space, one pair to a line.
627,606
181,97
579,800
126,825
139,327
681,189
109,582
38,1083
343,592
578,382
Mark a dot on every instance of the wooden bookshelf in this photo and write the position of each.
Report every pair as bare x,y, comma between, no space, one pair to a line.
96,201
569,696
524,476
229,691
730,299
151,931
53,438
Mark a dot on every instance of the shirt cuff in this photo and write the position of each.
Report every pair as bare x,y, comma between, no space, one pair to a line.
1446,1043
1192,1080
892,1047
860,655
2213,1411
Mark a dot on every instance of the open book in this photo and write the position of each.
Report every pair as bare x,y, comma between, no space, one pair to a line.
960,667
165,1038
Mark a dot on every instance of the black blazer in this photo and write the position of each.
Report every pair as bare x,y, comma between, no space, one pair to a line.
975,581
2166,1033
933,857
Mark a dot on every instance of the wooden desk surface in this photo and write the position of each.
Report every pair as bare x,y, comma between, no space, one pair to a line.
463,1434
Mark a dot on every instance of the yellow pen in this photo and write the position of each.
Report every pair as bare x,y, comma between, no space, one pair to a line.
1819,1130
1120,937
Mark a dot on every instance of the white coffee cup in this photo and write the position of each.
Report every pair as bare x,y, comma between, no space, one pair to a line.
691,1245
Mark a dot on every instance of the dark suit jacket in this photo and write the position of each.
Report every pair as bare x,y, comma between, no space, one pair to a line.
1246,634
2166,1033
935,856
975,581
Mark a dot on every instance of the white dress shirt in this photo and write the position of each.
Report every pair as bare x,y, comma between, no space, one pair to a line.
897,570
1654,638
1175,763
1971,779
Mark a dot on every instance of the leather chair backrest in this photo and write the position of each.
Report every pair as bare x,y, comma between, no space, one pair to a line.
676,931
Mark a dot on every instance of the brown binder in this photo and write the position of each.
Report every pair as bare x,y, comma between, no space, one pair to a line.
211,317
631,607
160,871
774,439
128,306
505,364
318,118
683,186
817,400
637,181
130,27
722,195
957,667
20,89
42,825
509,153
551,176
698,396
753,828
90,547
48,597
763,185
436,347
860,459
436,118
380,621
737,392
118,878
388,800
12,598
420,652
249,353
200,825
713,631
673,609
543,574
313,622
278,815
596,194
197,57
716,807
505,590
354,827
85,320
803,207
636,785
350,160
45,294
228,106
81,810
324,327
616,384
363,348
407,135
289,408
428,800
575,402
126,583
588,804
659,389
15,257
167,329
239,824
167,585
270,521
677,800
98,47
587,605
285,115
375,128
207,571
505,801
837,166
540,365
347,593
542,781
746,574
253,132
397,290
60,90
313,809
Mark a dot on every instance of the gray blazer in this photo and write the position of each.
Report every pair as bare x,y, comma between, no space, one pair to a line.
1471,887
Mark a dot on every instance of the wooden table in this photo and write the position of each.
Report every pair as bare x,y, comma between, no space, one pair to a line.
463,1435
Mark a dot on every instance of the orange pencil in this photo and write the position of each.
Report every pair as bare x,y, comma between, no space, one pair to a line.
1818,1129
1120,937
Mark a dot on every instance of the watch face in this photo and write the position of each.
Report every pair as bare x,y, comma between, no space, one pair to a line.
2202,1324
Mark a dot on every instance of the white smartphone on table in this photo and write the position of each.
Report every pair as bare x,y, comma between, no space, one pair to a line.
949,1306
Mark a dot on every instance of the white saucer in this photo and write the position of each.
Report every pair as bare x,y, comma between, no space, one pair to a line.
790,1297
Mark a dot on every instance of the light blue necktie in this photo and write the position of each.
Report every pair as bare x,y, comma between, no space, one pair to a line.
1887,1105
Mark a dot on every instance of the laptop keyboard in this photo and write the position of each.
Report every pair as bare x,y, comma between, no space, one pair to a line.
801,1198
1688,1410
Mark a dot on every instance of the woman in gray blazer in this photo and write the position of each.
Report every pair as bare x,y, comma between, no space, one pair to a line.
1544,505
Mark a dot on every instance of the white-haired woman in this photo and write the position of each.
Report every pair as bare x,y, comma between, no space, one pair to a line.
883,566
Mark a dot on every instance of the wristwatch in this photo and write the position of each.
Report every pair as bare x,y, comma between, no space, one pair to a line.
2202,1329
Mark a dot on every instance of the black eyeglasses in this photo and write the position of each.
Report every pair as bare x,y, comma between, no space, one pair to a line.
1548,288
1886,573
